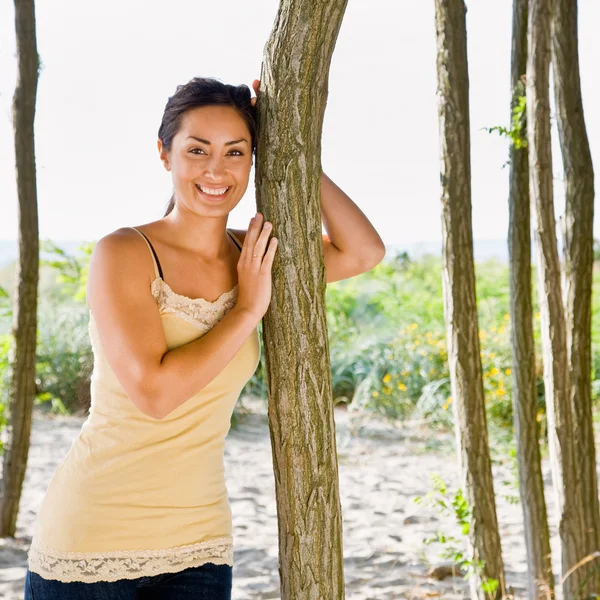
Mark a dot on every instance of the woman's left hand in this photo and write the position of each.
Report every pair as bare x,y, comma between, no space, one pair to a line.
255,86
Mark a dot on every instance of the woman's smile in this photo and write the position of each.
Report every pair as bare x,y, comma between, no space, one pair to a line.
213,194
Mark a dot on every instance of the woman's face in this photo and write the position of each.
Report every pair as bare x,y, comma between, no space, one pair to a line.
209,160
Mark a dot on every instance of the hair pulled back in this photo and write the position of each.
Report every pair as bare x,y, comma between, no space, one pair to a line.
204,91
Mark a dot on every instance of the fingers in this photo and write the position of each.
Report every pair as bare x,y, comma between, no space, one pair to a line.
261,244
267,262
251,237
255,240
255,87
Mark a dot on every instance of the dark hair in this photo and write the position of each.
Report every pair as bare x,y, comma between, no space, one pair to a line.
204,91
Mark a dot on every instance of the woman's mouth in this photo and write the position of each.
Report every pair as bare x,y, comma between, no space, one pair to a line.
213,194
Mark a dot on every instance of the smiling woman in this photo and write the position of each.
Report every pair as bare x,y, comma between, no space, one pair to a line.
139,504
218,163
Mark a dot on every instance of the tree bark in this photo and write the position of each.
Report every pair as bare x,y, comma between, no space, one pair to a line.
23,352
291,106
579,262
459,293
531,482
554,341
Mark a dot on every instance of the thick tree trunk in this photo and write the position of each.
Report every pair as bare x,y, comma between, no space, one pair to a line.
531,483
579,262
22,361
459,292
291,107
554,341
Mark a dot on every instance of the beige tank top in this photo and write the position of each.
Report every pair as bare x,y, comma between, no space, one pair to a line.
136,496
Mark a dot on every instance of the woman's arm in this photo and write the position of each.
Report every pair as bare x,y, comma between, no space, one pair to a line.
131,332
351,245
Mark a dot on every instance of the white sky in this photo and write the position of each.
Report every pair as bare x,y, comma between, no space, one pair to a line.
109,67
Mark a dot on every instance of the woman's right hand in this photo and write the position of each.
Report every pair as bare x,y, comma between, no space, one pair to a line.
254,268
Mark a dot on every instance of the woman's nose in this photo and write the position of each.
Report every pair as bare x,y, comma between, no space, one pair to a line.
214,168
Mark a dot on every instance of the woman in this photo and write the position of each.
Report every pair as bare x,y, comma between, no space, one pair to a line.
139,507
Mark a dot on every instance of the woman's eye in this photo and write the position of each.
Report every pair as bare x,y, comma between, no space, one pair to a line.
200,152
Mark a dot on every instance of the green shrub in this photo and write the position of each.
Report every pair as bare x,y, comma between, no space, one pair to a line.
387,340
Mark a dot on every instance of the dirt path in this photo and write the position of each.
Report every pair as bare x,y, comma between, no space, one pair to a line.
381,472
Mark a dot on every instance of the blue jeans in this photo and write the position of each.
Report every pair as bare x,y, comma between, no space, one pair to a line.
206,582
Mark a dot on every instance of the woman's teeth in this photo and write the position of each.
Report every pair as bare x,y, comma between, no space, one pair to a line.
212,192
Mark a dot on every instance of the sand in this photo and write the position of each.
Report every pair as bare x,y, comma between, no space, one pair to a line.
381,471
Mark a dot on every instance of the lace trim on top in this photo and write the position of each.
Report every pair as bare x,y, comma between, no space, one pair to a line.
197,311
91,567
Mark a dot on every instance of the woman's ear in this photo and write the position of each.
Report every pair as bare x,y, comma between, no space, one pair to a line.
164,155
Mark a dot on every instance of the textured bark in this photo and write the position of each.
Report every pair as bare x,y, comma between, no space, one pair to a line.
459,291
531,483
554,341
22,360
579,262
291,107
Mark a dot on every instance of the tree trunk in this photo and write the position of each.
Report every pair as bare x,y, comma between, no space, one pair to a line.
531,482
22,360
579,262
459,293
291,107
554,341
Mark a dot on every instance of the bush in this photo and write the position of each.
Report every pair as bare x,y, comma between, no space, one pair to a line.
65,359
386,336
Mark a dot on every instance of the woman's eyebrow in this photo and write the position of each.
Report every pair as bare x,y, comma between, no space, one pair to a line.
208,143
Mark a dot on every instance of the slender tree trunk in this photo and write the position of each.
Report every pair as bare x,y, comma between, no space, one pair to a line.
22,360
531,482
291,107
579,262
459,292
554,341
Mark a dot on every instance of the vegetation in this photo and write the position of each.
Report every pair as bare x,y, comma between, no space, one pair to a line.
387,340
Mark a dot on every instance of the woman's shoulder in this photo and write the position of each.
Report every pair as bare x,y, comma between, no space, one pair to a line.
121,252
120,265
113,245
125,236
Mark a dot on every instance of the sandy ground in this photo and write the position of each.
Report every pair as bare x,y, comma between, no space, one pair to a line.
381,471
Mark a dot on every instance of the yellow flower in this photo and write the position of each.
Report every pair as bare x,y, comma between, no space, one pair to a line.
492,355
508,371
449,401
375,394
445,407
413,326
506,317
387,390
539,416
537,315
386,378
401,387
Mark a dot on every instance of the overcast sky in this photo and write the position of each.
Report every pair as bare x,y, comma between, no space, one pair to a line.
109,67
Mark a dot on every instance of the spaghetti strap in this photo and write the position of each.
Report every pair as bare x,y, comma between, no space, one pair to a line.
235,240
157,268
